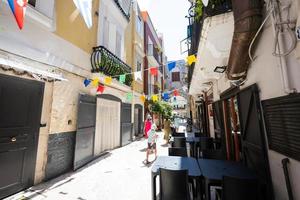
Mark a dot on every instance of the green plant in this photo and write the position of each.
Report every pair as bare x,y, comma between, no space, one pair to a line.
162,108
198,10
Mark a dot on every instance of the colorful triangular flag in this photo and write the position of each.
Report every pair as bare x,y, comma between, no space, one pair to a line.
138,75
176,93
86,82
171,66
154,98
191,59
154,71
85,9
18,7
166,96
108,80
129,96
95,82
100,88
122,78
143,98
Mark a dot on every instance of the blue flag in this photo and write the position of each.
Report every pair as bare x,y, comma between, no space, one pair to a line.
166,96
86,82
171,65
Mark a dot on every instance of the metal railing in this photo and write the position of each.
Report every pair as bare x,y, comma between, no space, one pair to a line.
104,61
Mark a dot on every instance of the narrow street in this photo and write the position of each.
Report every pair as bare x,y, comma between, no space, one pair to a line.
118,175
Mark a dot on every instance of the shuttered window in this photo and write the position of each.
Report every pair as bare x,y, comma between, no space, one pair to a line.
175,76
282,118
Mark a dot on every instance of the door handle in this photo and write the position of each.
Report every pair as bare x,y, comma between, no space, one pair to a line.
13,139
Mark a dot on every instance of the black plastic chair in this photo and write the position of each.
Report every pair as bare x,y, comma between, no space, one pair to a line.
213,154
174,185
205,143
178,151
179,142
234,188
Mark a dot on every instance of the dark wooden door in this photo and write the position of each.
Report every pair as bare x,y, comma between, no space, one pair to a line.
20,114
126,125
138,114
253,137
219,125
86,125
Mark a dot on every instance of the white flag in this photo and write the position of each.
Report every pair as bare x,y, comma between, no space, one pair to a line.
138,75
85,9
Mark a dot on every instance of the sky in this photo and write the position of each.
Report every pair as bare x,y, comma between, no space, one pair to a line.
168,17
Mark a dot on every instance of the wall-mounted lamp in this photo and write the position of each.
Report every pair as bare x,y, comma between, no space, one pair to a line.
220,69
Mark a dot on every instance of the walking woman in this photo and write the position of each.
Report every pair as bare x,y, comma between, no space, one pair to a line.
148,124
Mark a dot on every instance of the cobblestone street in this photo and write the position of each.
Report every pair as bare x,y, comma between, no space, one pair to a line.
120,174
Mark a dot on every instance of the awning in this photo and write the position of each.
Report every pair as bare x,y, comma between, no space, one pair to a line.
35,72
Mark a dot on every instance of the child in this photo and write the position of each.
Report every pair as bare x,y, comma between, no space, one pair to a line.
151,143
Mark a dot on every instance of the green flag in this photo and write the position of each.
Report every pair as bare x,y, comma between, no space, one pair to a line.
129,96
122,78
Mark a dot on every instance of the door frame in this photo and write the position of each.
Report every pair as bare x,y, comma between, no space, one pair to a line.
36,128
140,115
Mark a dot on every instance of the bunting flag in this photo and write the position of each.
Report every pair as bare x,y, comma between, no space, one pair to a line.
138,75
129,96
171,66
95,82
100,88
176,93
122,78
154,71
154,98
191,59
166,96
108,80
18,7
86,82
143,98
85,9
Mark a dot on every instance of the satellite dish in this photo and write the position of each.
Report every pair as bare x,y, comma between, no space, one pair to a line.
205,2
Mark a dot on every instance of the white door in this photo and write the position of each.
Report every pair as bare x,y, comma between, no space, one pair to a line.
107,125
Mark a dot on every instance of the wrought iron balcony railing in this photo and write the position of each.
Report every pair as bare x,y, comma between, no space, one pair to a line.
102,60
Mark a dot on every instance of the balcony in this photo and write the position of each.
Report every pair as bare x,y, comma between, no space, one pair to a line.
104,61
153,55
124,6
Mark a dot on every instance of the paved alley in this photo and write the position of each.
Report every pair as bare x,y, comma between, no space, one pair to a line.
120,174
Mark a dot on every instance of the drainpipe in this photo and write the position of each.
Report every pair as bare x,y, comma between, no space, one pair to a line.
247,20
279,43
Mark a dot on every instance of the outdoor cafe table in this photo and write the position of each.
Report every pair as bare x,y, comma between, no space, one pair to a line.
174,163
214,170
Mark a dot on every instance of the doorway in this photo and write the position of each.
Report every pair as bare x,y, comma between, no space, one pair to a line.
138,117
20,114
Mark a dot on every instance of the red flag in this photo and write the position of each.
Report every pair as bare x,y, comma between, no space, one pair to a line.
176,93
18,8
154,71
100,88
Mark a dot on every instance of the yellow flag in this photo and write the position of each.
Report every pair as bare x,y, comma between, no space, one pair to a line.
143,98
154,98
191,59
95,82
108,80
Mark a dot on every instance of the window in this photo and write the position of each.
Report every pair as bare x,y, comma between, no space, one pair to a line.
118,44
139,25
32,2
175,76
105,32
139,65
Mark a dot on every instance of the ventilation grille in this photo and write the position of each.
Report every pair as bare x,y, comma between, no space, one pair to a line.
282,118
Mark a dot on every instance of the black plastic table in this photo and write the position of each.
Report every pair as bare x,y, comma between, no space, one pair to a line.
174,163
214,170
